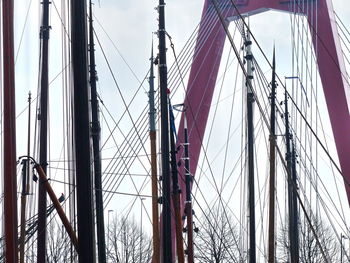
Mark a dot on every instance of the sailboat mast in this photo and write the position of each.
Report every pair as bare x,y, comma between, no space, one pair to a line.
250,122
188,208
42,117
293,228
163,79
271,248
153,136
295,204
176,193
86,246
96,135
9,133
24,163
25,188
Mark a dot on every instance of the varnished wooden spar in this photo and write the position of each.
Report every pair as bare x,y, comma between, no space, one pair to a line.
9,133
153,136
57,206
272,197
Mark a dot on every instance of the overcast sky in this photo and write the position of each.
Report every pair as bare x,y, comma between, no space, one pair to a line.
130,24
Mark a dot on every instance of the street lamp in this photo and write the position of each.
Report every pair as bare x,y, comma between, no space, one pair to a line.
141,199
109,211
341,247
301,85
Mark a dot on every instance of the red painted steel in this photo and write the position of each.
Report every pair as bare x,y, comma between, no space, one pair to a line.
331,65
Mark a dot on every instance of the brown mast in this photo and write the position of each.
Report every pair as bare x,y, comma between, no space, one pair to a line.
9,173
153,136
58,207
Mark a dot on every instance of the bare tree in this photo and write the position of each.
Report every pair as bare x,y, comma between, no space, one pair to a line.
309,250
58,244
217,240
126,243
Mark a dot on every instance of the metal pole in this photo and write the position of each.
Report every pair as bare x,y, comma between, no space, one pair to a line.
163,79
109,211
250,115
341,248
9,133
85,213
141,199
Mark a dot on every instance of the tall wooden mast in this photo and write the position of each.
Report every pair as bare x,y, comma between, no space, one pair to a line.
272,197
96,135
42,118
153,136
250,128
163,79
86,245
9,133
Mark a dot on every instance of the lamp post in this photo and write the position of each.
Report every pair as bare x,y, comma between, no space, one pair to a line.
141,199
109,211
341,247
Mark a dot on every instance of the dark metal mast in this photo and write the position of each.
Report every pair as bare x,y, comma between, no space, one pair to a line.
24,163
290,158
272,197
86,246
250,122
9,139
153,136
188,208
295,204
96,135
176,193
42,117
163,79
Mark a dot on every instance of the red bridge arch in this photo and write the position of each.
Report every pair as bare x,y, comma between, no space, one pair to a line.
330,61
